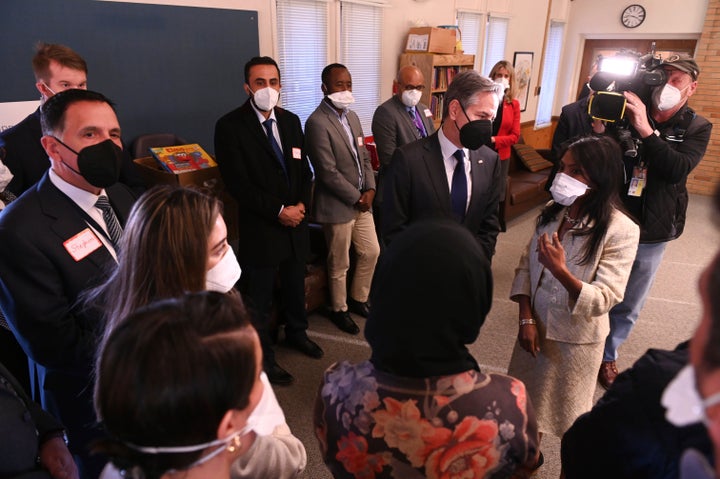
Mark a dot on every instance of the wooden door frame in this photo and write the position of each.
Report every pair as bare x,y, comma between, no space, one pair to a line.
639,45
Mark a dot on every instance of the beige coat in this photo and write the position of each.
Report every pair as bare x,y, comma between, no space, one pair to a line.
604,278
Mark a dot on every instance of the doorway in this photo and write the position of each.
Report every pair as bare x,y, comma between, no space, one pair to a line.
593,48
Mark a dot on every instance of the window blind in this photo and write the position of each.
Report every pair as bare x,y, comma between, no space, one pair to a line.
361,40
302,27
470,25
495,39
548,83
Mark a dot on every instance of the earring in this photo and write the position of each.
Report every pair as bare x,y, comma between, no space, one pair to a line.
235,444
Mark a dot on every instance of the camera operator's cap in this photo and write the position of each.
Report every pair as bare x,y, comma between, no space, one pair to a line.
684,63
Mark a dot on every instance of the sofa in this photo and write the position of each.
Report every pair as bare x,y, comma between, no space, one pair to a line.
528,172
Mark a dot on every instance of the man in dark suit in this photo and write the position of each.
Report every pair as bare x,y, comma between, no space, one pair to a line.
58,239
401,119
344,193
432,177
260,152
57,68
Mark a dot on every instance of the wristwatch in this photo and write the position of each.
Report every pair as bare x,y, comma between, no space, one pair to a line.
53,434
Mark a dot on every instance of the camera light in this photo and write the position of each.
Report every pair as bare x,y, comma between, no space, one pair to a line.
622,66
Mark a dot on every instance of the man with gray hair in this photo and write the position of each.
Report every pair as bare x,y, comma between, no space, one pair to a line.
451,173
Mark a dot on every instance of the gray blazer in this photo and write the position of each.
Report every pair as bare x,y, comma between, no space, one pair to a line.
392,128
336,171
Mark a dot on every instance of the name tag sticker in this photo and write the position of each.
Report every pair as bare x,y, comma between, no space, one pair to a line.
360,141
82,244
297,154
428,113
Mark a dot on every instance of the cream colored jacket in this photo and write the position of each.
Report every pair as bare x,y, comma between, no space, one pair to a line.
604,278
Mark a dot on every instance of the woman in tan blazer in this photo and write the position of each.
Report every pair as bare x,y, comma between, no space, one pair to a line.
573,271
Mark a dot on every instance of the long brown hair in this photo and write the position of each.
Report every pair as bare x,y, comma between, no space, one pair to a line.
510,92
163,251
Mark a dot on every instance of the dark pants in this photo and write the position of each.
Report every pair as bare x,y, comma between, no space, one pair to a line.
257,285
14,359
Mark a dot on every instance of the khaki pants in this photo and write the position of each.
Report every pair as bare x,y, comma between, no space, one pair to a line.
359,232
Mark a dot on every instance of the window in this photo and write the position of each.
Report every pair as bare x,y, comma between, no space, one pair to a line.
470,25
550,67
302,27
361,41
495,38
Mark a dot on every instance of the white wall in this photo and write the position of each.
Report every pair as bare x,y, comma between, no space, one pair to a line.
526,31
598,20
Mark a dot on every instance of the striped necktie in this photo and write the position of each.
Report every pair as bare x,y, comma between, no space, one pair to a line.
111,222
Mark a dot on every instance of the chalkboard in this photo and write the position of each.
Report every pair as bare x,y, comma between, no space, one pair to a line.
167,68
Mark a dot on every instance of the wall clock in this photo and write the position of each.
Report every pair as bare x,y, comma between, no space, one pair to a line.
633,16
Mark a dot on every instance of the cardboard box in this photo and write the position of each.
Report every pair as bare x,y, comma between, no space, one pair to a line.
431,40
152,173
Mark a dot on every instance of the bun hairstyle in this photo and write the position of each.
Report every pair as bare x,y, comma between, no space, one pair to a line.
168,374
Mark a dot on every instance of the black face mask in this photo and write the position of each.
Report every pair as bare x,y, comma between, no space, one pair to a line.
475,133
99,164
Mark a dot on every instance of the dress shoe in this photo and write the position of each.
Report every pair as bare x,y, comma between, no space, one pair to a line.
357,307
278,375
306,346
608,373
342,320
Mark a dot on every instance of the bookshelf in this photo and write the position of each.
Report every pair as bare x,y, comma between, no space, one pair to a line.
438,71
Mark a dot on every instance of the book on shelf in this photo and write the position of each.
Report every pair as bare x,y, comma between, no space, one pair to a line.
182,158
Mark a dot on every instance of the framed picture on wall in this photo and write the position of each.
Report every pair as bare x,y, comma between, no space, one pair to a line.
522,62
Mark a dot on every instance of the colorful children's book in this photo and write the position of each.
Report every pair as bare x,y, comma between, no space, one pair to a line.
183,158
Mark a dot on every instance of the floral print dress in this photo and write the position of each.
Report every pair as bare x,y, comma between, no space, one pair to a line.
371,424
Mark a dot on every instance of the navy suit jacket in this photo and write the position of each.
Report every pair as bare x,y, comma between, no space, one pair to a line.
40,283
254,177
27,160
416,188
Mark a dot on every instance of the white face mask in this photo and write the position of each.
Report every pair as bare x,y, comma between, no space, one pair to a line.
223,276
268,414
411,98
504,82
565,189
222,444
667,97
266,98
342,99
5,176
683,404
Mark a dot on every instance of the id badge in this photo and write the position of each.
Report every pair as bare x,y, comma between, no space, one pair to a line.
638,181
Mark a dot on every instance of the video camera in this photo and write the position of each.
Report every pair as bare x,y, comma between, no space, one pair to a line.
626,71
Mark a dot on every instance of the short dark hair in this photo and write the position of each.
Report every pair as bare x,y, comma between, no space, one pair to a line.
325,75
169,373
465,88
259,61
65,56
52,112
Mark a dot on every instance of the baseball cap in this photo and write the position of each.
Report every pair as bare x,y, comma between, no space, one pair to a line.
684,63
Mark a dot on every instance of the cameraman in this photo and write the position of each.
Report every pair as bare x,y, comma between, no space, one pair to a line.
674,139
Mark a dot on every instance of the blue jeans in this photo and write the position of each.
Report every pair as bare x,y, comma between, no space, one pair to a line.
624,315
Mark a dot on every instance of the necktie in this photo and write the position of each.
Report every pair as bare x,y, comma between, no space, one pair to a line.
417,121
458,192
111,222
274,144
